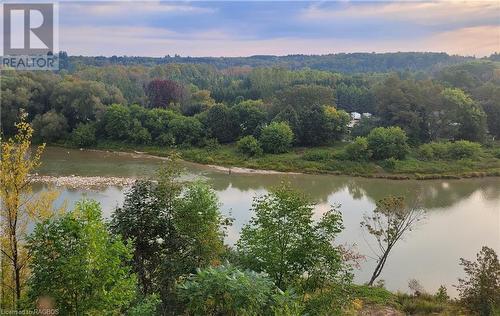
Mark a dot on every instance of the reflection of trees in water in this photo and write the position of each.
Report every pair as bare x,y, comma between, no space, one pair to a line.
432,193
318,188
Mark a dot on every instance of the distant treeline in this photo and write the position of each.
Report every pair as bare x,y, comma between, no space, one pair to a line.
189,104
342,62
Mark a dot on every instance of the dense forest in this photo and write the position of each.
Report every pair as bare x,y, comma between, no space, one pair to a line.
266,104
345,63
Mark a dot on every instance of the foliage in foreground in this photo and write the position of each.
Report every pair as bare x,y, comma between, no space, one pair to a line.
19,207
79,264
226,290
283,240
480,290
176,228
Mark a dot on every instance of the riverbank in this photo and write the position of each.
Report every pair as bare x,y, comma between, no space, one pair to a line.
322,160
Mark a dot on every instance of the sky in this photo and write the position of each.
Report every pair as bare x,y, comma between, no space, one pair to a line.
243,28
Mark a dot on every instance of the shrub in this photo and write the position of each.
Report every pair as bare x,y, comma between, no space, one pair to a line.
250,146
317,155
416,288
358,150
148,306
388,142
276,138
84,135
388,164
211,144
442,294
165,139
496,153
464,149
434,150
226,290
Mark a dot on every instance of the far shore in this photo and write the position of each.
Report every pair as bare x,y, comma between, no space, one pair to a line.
232,169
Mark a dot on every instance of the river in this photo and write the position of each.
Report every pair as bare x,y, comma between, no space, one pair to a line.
461,215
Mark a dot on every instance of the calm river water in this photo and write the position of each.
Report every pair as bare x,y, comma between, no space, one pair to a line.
462,215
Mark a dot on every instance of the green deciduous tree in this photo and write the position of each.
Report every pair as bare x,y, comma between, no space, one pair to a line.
488,96
276,138
50,127
84,135
470,117
117,122
284,241
175,228
221,123
480,290
19,207
358,150
249,115
387,142
186,130
250,146
76,262
79,100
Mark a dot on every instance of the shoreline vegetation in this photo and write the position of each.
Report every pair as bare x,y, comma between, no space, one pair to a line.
399,122
225,158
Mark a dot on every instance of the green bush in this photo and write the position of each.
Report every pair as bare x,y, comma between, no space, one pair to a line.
358,150
317,155
462,149
249,146
496,153
148,306
226,290
442,294
165,139
434,151
84,135
388,164
388,142
210,144
276,138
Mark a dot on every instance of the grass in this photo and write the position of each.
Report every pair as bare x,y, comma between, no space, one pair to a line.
376,300
329,160
426,304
